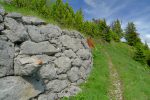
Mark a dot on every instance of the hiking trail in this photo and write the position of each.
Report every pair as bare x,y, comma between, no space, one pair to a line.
115,91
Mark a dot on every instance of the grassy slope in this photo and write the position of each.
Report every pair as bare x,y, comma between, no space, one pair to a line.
135,77
97,85
29,12
26,12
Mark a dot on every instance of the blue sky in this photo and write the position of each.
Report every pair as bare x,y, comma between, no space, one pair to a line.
137,11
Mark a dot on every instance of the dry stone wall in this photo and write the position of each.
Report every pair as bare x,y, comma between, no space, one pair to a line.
40,61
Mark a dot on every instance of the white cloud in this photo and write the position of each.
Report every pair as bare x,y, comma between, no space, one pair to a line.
148,44
91,3
103,8
147,38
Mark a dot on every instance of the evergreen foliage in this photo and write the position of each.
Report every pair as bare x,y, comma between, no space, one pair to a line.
148,59
131,34
116,28
64,15
114,36
139,55
79,20
59,12
103,29
146,46
147,53
88,28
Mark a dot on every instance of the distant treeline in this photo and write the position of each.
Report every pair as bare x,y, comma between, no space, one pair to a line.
64,15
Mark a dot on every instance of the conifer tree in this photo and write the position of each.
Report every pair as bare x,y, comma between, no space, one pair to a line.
79,19
87,28
116,28
69,15
105,30
139,55
148,58
131,34
58,11
146,46
114,36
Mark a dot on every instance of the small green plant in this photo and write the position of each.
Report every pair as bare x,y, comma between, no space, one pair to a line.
139,55
147,53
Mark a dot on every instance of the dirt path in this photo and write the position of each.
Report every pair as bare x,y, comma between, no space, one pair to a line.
115,91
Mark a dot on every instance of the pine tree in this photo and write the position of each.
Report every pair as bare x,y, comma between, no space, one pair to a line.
139,55
146,46
148,58
116,28
79,19
58,12
131,34
114,36
105,30
69,16
88,28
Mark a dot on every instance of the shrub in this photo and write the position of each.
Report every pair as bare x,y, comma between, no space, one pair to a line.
139,54
147,53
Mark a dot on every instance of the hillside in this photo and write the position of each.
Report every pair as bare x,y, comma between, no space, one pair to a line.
134,77
110,58
39,60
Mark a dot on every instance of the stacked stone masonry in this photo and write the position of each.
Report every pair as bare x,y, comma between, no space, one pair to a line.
40,61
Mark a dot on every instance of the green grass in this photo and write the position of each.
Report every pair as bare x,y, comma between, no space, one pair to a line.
97,84
134,76
26,12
